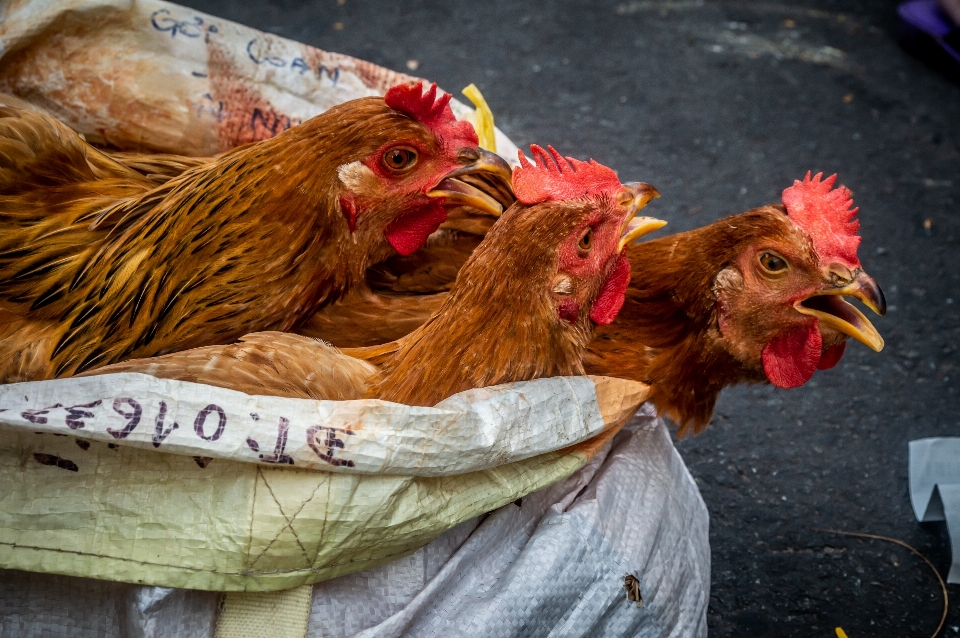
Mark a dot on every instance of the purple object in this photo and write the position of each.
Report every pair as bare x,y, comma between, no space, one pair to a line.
927,32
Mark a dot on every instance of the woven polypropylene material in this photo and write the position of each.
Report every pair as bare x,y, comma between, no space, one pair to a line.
48,606
554,565
275,614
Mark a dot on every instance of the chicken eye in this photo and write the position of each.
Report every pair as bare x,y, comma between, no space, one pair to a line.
400,159
586,242
773,263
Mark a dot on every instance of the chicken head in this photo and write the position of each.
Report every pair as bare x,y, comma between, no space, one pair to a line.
781,304
525,303
401,191
598,221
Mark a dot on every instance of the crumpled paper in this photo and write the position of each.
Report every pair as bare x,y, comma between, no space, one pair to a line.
935,489
89,491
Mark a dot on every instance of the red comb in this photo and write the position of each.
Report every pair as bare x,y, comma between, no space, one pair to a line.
428,109
825,215
554,177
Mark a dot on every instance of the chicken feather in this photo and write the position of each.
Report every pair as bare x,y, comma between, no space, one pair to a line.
696,318
502,321
105,258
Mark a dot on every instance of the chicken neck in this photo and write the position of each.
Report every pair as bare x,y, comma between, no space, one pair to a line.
667,332
499,323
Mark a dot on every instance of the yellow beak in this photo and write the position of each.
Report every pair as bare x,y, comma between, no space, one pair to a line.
457,192
828,306
636,227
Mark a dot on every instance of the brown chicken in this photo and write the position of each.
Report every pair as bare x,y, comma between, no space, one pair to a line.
751,298
100,262
523,306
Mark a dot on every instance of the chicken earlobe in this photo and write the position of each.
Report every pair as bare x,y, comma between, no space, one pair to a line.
357,178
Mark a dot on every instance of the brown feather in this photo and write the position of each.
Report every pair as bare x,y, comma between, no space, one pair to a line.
665,335
102,264
401,293
433,268
159,167
498,324
360,318
263,363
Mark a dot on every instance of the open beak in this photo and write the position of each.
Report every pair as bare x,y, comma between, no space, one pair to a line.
488,169
636,227
828,306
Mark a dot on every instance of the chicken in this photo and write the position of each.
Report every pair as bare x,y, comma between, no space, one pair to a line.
158,167
755,297
100,262
702,310
523,306
399,294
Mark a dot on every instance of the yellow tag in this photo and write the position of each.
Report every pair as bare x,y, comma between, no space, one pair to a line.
484,124
841,633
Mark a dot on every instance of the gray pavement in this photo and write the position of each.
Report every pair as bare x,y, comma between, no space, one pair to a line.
721,105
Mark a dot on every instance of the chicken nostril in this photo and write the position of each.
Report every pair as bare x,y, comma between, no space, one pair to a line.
840,275
625,198
467,155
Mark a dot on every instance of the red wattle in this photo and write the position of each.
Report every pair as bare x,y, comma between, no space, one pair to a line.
410,231
611,297
831,356
791,360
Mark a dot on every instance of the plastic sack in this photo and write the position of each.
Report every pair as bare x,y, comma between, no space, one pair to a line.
259,493
935,489
553,564
145,75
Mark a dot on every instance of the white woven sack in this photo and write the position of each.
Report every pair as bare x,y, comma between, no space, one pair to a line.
554,565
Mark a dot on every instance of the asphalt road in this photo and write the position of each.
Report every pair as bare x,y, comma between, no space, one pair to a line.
722,105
